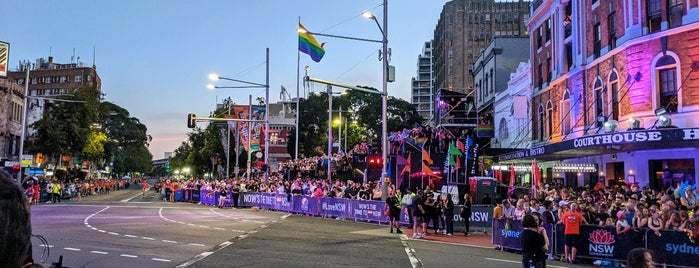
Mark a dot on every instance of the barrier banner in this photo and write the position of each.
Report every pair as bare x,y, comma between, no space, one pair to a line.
282,202
306,204
602,242
507,238
367,210
481,217
179,195
207,197
673,248
250,199
336,207
195,196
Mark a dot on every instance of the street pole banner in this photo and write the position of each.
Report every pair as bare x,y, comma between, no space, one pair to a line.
4,58
207,197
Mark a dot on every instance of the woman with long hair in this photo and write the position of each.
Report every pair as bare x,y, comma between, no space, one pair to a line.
466,213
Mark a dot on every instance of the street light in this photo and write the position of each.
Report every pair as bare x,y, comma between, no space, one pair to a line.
384,97
215,77
384,93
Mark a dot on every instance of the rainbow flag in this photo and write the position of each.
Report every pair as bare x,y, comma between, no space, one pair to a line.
485,131
309,45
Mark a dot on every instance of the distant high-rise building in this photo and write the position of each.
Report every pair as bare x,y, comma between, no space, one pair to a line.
421,92
464,30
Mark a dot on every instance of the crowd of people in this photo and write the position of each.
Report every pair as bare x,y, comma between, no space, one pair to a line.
625,208
53,190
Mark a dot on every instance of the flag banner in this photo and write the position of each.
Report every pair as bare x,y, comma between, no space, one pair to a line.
426,157
473,154
224,137
257,135
406,169
485,131
309,45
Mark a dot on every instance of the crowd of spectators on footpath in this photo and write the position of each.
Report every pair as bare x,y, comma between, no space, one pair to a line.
53,190
624,208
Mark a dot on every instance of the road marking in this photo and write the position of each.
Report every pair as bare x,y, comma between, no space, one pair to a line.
128,256
113,233
72,249
148,238
219,228
131,198
225,244
42,245
158,259
414,260
102,231
132,236
170,241
99,252
511,261
197,244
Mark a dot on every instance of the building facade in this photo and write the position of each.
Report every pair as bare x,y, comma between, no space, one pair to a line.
48,79
11,106
464,30
421,87
491,71
512,115
615,90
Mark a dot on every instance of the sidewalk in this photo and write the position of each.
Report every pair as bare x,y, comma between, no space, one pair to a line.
479,239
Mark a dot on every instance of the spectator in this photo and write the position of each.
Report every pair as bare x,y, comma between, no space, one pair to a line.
16,229
486,200
640,258
533,242
466,213
571,220
653,221
622,224
418,214
407,201
688,201
449,215
393,205
497,210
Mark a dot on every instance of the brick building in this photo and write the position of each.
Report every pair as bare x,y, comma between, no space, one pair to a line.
48,79
615,91
11,103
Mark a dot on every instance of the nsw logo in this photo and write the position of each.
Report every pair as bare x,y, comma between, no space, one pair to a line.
601,243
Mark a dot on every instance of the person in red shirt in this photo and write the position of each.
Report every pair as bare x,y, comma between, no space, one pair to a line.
145,185
572,220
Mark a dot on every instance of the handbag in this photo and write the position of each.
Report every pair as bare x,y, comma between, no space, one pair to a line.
387,212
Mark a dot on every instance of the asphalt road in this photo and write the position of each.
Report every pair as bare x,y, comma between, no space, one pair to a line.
124,229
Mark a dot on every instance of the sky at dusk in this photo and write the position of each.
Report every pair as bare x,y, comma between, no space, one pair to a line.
154,56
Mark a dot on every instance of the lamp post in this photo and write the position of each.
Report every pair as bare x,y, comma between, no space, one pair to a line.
384,92
384,97
214,77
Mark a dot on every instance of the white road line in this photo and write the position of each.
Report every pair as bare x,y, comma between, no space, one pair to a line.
225,244
102,231
219,228
158,259
128,256
99,252
511,261
113,233
170,241
130,198
197,244
148,238
132,236
414,261
195,259
50,246
72,249
237,231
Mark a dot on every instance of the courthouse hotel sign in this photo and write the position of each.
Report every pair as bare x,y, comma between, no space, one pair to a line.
650,138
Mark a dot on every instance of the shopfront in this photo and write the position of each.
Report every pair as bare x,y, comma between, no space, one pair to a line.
655,158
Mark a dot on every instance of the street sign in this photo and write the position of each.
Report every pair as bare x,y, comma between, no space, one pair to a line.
27,160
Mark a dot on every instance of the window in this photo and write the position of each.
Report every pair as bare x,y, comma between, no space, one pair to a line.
20,81
611,21
64,79
549,119
565,114
549,66
614,94
78,78
597,32
492,82
34,81
89,78
542,121
539,35
599,103
675,10
666,68
548,30
654,15
503,132
540,73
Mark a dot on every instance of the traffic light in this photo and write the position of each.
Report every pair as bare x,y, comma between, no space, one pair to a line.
375,161
191,123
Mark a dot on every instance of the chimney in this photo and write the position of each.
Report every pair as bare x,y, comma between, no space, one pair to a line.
50,59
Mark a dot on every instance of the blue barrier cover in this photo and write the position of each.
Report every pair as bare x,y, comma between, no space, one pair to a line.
367,210
673,248
337,207
306,204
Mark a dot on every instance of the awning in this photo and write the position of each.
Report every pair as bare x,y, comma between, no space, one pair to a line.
608,143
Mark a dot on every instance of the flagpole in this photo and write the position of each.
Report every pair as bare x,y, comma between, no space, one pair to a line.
298,110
